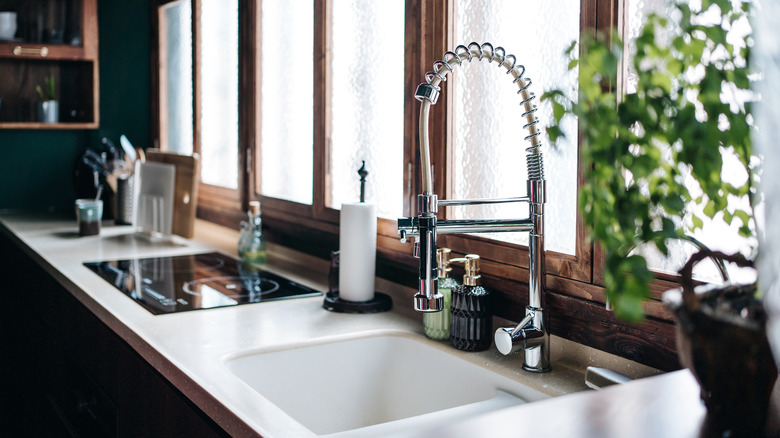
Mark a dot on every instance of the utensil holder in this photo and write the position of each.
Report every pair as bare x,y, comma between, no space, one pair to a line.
124,201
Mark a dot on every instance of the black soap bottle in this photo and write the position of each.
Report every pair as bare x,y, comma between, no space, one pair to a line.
471,323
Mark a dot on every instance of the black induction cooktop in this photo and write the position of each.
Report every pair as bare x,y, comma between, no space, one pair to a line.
196,281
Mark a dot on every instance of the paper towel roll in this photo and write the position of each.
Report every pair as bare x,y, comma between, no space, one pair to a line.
357,247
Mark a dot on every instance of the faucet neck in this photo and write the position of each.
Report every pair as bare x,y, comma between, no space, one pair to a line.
428,94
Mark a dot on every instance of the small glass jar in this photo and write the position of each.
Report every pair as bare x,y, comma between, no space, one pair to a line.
251,245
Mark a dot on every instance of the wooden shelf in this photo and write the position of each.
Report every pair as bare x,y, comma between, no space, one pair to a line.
37,125
69,54
22,50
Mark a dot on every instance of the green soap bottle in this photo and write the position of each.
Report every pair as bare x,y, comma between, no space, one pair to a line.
251,245
437,325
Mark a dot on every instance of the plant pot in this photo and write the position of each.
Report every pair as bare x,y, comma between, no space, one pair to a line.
49,111
721,338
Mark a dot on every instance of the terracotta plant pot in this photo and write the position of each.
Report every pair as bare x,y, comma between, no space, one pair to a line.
721,338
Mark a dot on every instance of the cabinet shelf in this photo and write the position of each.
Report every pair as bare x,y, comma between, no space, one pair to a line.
38,125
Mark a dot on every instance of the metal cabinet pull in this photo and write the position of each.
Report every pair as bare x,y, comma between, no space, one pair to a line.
19,50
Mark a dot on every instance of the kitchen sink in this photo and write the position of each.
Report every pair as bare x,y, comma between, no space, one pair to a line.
376,385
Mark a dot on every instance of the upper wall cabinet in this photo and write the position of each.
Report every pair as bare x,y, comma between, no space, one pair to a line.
49,64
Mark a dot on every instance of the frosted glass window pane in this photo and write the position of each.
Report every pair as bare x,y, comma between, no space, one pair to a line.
368,103
715,233
219,92
489,148
286,131
637,12
176,73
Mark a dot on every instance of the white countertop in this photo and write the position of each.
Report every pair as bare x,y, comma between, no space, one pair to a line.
188,348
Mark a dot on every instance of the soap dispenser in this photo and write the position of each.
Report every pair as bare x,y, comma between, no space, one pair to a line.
437,324
251,245
471,324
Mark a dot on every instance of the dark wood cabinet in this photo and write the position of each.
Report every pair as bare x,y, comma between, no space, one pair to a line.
66,373
53,39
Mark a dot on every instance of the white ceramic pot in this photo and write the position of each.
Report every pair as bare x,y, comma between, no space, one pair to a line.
49,111
7,25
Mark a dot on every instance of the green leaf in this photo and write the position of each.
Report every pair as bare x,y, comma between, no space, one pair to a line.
558,111
673,204
629,308
709,209
554,133
662,80
571,47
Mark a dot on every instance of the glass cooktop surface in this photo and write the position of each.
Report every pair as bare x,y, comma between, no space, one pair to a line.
195,281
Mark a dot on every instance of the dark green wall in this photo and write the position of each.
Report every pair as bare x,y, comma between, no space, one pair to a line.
36,165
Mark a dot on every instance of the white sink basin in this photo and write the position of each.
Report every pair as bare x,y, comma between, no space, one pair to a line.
377,384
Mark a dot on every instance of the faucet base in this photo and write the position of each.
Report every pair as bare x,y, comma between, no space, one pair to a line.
535,360
529,336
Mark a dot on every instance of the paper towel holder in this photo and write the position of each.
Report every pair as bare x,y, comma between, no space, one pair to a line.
380,303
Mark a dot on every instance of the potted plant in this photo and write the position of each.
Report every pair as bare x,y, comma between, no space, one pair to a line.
48,107
691,106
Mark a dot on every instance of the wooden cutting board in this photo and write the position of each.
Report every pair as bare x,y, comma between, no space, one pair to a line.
185,192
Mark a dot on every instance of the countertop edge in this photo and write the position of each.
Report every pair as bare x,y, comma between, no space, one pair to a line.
205,401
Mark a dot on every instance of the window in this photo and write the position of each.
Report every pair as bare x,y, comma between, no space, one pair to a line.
367,102
483,152
716,234
318,86
360,98
315,122
489,150
198,99
175,95
217,68
286,159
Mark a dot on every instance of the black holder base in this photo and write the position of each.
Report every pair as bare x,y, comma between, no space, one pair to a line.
380,303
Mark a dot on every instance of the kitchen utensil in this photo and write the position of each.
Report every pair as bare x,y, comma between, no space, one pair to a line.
141,154
185,189
124,200
154,205
127,147
111,147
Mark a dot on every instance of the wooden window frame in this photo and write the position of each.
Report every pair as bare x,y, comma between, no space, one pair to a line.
574,283
217,204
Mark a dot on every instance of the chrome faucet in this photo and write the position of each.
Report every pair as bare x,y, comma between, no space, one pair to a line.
532,334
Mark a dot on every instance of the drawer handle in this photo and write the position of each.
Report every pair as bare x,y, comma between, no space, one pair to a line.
19,50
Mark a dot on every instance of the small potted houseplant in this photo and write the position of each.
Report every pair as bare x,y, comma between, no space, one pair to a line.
691,106
48,107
